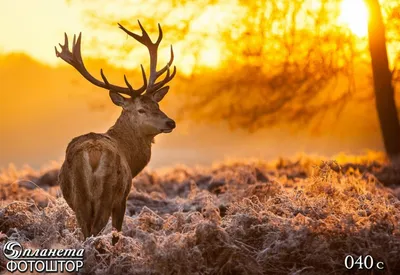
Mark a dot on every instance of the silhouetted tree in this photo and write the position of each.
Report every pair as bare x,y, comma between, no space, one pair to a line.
384,92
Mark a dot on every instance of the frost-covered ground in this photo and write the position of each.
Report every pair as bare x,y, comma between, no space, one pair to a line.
238,217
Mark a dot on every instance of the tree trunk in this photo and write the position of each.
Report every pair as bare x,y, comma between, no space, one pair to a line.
384,92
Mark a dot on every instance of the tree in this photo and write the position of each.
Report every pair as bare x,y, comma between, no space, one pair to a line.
384,91
283,66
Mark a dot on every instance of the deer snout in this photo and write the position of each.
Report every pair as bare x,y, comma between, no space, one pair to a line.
170,124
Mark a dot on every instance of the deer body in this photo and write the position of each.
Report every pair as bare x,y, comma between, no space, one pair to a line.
97,173
96,177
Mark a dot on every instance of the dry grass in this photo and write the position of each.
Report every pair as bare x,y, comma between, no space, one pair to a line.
239,217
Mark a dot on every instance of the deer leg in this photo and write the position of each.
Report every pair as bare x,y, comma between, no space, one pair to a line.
84,218
101,214
118,214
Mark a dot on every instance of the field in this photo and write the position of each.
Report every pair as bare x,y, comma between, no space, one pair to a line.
301,216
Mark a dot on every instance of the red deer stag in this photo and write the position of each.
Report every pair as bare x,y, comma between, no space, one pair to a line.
97,173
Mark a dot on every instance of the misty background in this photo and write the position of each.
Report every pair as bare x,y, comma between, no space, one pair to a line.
290,79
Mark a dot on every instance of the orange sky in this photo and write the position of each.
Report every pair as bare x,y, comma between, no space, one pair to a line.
34,27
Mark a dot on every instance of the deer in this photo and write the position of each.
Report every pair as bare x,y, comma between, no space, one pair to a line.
96,175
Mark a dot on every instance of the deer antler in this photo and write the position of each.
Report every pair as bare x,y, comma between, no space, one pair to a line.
74,58
153,47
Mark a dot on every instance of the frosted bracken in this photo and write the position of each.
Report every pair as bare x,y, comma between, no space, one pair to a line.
237,217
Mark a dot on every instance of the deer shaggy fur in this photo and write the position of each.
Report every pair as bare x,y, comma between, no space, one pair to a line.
97,174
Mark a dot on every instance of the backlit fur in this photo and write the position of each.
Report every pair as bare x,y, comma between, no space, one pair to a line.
96,176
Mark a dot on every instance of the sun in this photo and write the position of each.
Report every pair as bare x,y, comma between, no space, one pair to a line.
354,14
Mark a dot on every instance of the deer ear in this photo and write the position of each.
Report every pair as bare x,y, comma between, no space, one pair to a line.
159,95
117,99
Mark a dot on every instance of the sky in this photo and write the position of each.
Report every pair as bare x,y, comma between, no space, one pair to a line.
35,27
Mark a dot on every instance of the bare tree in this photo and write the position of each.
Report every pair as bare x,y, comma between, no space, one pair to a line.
285,65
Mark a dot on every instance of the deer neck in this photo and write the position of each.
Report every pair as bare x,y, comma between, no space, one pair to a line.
132,144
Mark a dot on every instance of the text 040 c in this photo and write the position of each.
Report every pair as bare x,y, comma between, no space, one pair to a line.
362,262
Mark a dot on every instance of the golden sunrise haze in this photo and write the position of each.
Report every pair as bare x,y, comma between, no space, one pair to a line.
44,105
35,27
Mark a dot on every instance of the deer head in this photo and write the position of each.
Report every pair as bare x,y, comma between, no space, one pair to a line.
141,107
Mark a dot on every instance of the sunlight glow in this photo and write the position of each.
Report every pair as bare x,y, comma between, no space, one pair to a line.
37,35
210,57
354,14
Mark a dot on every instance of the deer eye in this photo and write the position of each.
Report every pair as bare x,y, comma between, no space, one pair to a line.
141,111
